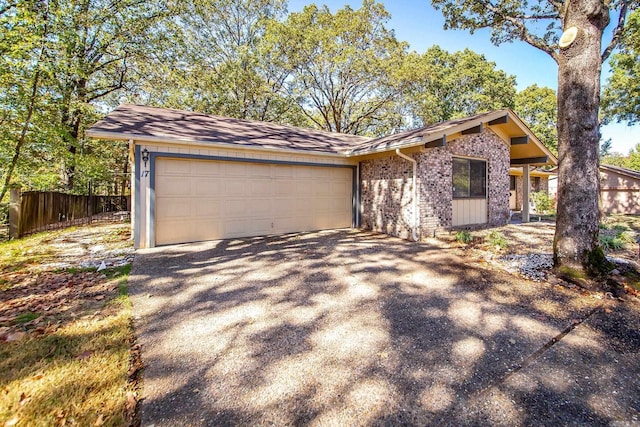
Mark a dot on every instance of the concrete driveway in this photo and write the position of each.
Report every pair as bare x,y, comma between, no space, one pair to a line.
352,328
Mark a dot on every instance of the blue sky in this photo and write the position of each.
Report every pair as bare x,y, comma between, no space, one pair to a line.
417,22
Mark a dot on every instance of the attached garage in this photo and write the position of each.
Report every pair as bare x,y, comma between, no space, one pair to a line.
212,199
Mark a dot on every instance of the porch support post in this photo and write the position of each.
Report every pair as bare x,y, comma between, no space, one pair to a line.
525,193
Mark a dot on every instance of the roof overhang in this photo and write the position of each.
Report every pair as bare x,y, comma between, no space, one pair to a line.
518,171
524,147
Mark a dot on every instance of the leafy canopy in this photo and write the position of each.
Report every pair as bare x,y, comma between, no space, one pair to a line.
537,106
621,98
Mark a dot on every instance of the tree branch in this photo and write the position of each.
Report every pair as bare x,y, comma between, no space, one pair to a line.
617,33
524,33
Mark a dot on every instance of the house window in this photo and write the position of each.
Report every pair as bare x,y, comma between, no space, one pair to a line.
469,178
536,183
512,183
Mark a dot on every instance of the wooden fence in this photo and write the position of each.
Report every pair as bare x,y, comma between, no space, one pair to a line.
33,211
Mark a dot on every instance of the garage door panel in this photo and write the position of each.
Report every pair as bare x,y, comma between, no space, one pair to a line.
236,188
174,167
210,200
208,208
208,187
260,208
175,186
283,187
259,170
234,169
282,171
237,208
260,187
206,169
168,210
302,173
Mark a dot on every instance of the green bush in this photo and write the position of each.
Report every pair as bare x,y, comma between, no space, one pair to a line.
464,236
620,227
611,243
496,239
617,241
543,204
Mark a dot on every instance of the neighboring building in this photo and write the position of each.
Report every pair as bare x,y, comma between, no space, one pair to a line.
540,180
619,190
203,177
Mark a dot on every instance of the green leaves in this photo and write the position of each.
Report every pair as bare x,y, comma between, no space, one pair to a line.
445,86
621,97
537,106
342,66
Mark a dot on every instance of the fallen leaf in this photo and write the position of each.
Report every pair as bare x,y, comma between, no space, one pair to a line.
131,401
84,355
13,421
99,421
24,399
15,336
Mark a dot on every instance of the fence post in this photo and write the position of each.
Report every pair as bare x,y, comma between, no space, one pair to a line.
15,199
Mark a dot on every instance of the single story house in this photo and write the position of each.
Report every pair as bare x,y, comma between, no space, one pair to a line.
619,190
203,177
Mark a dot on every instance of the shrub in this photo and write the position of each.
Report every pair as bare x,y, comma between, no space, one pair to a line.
610,243
496,239
464,236
620,227
542,202
617,241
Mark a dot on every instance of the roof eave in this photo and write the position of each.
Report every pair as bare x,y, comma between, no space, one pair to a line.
437,135
553,160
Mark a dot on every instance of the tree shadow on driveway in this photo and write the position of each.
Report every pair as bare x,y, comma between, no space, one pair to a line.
353,328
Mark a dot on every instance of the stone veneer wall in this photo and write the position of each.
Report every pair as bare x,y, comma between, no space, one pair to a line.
386,196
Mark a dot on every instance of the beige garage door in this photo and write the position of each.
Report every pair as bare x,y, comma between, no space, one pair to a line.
209,200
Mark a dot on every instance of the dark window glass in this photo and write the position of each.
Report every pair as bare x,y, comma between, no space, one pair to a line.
512,183
460,178
469,178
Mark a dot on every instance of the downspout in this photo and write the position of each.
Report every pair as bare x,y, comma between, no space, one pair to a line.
414,232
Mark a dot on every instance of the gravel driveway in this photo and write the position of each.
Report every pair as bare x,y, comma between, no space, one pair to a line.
353,328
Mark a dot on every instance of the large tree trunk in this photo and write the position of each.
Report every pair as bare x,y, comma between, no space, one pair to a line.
575,246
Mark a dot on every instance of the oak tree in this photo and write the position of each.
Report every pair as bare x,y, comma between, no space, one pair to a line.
579,54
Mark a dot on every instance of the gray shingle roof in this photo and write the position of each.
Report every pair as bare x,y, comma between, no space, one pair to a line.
151,123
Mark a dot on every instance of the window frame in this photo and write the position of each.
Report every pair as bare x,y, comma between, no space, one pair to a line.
470,161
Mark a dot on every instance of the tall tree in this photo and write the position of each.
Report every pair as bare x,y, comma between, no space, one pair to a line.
345,67
96,42
537,106
445,86
579,54
25,32
621,98
214,59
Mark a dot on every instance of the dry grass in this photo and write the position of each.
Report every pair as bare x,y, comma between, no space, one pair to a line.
66,334
74,376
